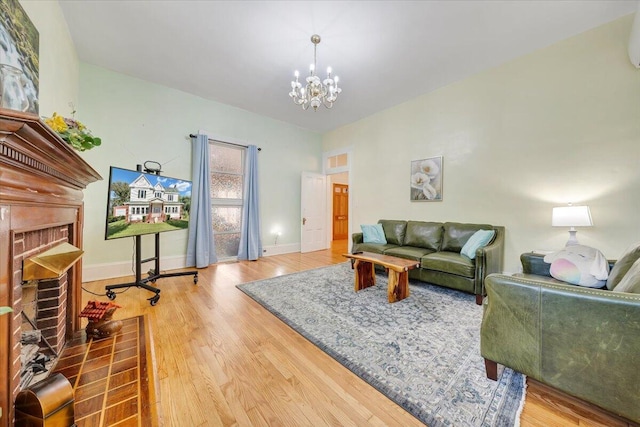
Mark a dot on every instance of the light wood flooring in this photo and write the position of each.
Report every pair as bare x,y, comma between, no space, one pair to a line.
112,378
223,360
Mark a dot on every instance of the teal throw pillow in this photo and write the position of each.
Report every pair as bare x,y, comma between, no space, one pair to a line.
480,239
373,234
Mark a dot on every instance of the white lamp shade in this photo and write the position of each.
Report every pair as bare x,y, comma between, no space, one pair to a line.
571,216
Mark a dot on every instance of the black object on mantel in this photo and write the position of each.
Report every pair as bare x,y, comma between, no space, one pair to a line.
224,142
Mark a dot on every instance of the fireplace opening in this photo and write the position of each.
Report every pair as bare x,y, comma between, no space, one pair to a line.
42,259
37,356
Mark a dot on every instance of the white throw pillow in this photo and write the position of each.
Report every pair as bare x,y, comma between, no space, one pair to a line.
579,265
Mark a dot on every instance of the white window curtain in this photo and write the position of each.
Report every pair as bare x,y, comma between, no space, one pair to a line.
201,249
250,240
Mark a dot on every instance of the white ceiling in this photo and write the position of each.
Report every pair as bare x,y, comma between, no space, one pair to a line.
243,53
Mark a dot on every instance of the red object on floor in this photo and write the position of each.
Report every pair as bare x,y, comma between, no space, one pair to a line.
96,310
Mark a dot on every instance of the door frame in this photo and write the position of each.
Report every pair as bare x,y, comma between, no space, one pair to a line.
332,171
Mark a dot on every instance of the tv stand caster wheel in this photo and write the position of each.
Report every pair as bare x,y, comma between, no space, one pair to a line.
195,279
111,295
154,300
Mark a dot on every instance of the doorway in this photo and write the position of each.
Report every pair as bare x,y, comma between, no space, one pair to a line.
340,216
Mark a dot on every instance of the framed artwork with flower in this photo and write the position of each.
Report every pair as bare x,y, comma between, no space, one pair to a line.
426,180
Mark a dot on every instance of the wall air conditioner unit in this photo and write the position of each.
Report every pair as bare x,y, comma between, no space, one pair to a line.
634,40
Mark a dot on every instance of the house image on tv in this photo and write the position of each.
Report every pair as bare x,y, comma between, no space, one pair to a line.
150,203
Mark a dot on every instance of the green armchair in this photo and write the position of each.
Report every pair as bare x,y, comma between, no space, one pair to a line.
584,342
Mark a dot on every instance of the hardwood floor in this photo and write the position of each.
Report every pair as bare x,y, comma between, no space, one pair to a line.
222,360
111,377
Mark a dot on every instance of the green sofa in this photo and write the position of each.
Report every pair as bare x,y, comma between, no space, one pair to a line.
437,247
584,342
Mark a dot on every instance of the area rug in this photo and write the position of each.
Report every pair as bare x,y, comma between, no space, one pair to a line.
422,352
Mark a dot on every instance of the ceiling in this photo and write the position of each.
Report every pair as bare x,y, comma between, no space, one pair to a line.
243,53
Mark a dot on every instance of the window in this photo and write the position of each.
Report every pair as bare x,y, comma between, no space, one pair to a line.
227,179
158,194
338,161
142,194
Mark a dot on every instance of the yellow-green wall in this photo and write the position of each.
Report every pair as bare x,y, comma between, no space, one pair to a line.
559,125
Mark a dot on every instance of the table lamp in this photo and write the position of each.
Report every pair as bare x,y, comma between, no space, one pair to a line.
571,216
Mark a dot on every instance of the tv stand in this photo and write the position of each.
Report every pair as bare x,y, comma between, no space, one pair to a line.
153,274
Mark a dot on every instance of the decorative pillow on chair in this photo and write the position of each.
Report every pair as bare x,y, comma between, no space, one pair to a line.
630,283
624,263
373,234
480,239
579,265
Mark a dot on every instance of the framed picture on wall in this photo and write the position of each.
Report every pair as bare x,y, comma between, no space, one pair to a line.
426,180
19,59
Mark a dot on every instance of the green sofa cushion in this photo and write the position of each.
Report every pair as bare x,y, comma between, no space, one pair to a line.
449,262
408,252
623,265
457,234
373,247
423,234
394,231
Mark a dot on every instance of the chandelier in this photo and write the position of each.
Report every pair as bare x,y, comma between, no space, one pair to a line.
315,92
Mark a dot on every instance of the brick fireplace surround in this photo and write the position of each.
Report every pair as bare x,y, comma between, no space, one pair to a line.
41,183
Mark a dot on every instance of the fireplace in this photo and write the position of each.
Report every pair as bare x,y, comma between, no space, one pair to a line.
41,183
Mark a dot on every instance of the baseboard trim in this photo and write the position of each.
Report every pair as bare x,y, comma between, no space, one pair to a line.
280,249
94,272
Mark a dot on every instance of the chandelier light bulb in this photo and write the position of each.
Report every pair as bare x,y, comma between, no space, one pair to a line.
315,92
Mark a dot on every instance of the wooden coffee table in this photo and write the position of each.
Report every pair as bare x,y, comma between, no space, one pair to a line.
398,269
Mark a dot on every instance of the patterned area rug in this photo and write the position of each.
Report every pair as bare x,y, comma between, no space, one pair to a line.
422,352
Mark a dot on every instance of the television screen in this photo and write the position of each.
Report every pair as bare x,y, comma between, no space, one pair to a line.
145,203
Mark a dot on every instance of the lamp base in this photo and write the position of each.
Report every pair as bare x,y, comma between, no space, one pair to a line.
573,240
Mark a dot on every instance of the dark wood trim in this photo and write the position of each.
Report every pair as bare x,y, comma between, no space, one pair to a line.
132,351
41,184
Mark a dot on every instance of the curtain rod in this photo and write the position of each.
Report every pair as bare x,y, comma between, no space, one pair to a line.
224,142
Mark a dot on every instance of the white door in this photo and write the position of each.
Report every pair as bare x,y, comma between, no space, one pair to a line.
314,208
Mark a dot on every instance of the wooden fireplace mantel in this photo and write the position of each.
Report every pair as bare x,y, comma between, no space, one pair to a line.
41,184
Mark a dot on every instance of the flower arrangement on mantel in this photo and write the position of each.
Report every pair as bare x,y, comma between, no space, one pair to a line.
73,132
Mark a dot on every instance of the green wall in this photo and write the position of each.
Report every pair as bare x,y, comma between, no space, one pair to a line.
559,125
140,121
